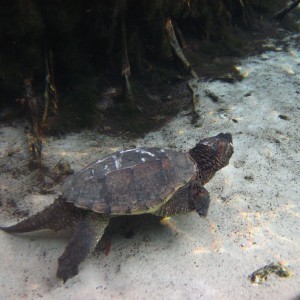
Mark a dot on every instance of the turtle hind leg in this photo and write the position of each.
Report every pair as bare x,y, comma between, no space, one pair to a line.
178,204
88,233
56,216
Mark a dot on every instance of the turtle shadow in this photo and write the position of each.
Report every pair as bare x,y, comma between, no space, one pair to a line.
129,226
138,227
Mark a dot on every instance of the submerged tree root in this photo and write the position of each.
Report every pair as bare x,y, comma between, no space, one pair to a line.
128,95
285,11
177,49
179,53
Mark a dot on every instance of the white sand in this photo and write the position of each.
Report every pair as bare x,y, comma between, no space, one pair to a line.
251,222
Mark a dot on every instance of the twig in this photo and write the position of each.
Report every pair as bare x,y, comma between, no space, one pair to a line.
125,60
195,114
285,11
32,102
180,37
178,50
49,87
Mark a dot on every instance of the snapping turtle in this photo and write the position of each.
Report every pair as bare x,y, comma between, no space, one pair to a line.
131,182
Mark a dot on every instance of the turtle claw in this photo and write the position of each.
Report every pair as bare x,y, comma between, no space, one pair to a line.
202,211
66,269
200,198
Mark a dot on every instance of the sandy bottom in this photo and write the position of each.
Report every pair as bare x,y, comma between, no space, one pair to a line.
254,217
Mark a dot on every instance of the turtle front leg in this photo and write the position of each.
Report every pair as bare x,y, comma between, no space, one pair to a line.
199,196
86,237
193,196
178,204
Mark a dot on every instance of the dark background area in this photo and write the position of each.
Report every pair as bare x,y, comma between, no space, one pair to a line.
82,43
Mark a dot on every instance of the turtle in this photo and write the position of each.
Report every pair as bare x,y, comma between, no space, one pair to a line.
136,181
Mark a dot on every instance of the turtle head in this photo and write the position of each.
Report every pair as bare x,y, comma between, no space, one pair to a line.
212,154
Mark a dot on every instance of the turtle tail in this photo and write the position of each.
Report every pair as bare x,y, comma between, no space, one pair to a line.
56,216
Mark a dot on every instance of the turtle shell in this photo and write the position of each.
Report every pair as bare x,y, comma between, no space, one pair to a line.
132,181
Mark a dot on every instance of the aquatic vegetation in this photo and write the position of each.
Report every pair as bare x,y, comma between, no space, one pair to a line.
261,275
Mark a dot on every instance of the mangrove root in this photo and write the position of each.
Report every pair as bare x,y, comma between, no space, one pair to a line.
285,11
177,49
125,60
50,89
195,115
34,109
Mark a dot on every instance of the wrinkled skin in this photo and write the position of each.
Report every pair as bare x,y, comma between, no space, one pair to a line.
209,156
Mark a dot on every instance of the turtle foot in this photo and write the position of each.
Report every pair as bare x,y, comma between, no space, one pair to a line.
66,269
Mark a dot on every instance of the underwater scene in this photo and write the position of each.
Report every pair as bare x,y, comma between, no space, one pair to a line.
150,149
